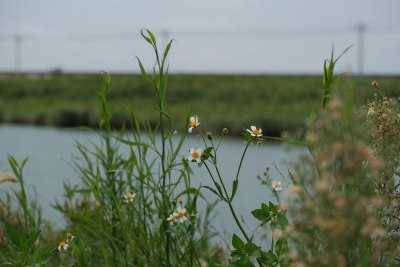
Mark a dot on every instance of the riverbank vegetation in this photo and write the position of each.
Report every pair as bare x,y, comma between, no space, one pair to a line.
337,206
276,102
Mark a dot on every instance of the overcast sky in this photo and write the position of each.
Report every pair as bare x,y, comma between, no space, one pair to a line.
213,36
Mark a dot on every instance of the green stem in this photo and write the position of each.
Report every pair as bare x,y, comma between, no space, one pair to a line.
241,160
222,183
229,201
238,222
213,179
161,102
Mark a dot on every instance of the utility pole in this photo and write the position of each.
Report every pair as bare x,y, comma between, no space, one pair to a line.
18,41
360,33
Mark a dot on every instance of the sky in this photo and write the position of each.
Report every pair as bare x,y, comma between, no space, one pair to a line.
211,36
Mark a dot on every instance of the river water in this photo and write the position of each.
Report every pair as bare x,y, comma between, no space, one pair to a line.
51,150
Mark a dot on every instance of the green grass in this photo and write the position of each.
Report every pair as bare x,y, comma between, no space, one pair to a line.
274,102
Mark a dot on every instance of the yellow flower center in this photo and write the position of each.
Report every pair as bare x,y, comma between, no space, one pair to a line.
193,124
195,154
61,244
181,213
256,132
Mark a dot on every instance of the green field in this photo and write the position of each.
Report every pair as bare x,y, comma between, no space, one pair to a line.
274,102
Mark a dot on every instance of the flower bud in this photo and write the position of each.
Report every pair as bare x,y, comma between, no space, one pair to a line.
225,131
209,136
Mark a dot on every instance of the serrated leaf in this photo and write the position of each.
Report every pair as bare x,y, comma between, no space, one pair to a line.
272,207
258,214
255,254
265,207
269,258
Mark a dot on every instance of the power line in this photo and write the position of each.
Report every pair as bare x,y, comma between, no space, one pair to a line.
361,30
253,34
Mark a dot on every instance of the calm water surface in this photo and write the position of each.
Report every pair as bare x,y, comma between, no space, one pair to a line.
51,151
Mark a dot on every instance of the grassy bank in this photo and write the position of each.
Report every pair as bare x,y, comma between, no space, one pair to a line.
275,102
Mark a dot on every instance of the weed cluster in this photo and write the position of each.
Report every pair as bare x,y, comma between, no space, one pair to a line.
140,208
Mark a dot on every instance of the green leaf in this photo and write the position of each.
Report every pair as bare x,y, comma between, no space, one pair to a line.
190,190
263,214
255,253
156,225
142,70
292,177
259,214
237,243
272,207
152,36
207,152
213,190
28,243
342,53
185,163
269,258
234,188
219,189
15,236
131,143
328,76
247,135
166,51
148,39
281,246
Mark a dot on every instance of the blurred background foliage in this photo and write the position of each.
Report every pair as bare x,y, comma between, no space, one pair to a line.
275,102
